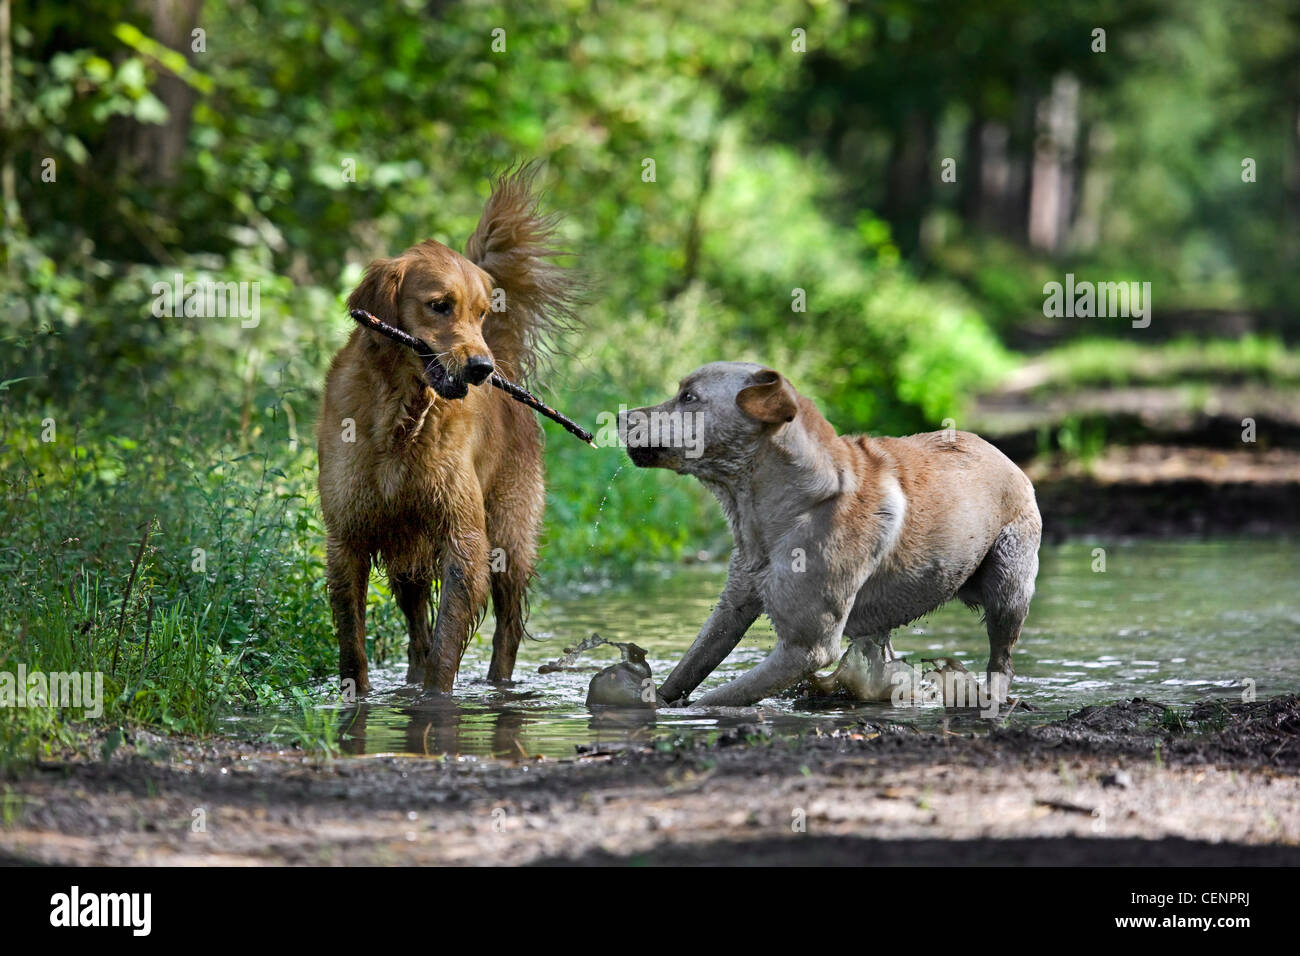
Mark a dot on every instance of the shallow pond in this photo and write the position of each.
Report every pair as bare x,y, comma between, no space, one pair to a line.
1173,621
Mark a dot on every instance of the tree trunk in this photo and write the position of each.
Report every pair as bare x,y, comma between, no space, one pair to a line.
971,178
156,151
1290,239
8,186
910,177
1051,193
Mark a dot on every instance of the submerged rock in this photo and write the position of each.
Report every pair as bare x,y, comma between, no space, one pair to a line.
625,684
953,684
865,673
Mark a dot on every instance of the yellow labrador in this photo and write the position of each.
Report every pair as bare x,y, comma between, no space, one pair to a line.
838,535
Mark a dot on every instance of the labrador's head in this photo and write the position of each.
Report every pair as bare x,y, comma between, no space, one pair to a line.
716,422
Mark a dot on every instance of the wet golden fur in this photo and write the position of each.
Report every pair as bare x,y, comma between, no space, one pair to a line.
433,488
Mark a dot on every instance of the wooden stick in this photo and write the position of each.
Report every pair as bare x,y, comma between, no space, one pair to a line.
434,372
434,368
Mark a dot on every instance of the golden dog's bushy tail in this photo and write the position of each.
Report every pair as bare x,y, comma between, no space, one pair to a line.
515,243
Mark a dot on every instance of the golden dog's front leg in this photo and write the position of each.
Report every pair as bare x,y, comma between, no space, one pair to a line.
347,574
462,599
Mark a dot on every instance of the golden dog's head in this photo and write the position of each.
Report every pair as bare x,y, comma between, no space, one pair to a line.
437,295
500,306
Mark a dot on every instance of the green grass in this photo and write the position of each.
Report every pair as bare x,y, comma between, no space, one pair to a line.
314,730
192,582
1172,720
1103,362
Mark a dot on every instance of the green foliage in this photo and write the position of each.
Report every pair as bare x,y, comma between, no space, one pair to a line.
222,605
880,350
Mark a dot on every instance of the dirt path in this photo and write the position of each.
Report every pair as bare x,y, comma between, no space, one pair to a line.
1153,460
1108,785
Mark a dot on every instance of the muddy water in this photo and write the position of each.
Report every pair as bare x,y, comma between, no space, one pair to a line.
1174,621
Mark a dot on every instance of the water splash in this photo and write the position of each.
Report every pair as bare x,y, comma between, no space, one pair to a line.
601,510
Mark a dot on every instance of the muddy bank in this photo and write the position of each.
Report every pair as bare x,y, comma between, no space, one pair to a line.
1132,781
1152,460
1075,506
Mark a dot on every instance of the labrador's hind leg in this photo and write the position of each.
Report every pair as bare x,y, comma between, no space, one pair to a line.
1004,588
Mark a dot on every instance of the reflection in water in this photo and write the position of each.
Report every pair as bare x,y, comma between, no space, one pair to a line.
440,725
430,728
1169,620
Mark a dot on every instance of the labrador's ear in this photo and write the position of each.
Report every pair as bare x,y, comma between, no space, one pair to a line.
379,288
768,397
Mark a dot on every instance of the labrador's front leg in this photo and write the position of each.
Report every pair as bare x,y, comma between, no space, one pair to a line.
784,667
738,608
809,618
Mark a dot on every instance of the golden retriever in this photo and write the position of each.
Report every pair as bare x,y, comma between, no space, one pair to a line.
443,486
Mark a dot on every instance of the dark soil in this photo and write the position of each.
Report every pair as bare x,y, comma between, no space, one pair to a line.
1132,781
1078,506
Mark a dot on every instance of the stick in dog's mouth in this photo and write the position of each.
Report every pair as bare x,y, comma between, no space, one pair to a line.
446,385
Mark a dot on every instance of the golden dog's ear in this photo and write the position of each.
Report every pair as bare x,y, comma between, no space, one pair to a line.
768,397
379,287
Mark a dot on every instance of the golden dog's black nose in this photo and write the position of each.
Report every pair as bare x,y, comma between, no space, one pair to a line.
477,369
